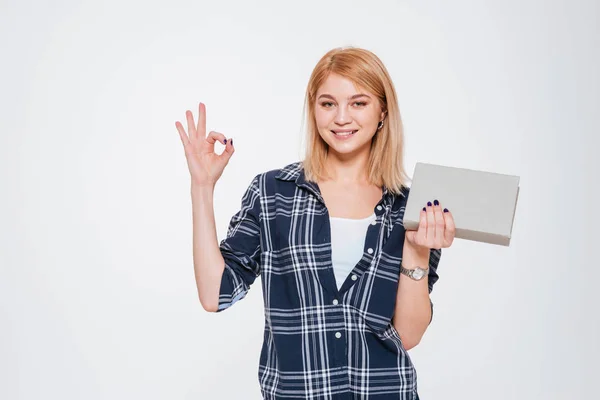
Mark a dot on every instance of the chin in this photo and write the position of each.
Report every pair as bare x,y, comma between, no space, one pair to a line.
347,148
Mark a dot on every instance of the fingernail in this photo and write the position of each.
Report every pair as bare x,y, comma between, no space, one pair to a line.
424,209
225,141
435,202
445,210
429,203
232,142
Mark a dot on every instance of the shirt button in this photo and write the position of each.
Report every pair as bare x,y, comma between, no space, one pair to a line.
379,208
370,250
354,277
335,302
338,335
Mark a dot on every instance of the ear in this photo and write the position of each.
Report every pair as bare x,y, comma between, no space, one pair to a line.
383,115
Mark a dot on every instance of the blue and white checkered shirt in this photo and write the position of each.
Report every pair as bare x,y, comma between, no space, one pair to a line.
319,342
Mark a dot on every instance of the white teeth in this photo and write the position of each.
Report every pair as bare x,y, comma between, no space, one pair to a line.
347,133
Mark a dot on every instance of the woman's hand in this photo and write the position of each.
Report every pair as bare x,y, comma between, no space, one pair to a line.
204,164
436,228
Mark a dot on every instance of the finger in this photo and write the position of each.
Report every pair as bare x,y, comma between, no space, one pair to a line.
214,137
229,150
450,228
440,224
430,223
190,123
184,138
201,128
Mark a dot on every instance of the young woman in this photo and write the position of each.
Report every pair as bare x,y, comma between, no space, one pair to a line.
346,288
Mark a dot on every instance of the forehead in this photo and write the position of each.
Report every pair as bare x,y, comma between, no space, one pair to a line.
337,85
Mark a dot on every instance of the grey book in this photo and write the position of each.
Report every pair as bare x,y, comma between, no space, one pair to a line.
482,203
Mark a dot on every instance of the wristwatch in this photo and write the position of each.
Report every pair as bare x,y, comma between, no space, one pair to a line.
417,274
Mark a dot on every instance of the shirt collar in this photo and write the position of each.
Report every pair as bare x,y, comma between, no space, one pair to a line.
295,173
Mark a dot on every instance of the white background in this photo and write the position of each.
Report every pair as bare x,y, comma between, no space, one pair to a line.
97,293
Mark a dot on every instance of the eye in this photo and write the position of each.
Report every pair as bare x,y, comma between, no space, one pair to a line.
326,104
360,103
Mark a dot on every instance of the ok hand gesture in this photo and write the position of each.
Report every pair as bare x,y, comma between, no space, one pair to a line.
204,164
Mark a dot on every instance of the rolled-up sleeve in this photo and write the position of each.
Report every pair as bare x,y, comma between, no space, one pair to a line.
241,249
434,260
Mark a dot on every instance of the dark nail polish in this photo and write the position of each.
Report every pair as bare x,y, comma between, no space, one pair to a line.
429,203
445,210
225,141
424,209
232,142
435,202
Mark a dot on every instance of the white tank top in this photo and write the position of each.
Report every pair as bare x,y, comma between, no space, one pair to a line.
347,244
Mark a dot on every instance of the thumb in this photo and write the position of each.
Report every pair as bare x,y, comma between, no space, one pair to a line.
410,236
228,152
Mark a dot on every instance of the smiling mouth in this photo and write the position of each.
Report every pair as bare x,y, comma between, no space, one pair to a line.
344,133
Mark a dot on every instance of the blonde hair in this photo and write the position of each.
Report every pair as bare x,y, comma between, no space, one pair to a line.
366,71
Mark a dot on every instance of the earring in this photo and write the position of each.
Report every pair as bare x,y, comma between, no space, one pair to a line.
380,125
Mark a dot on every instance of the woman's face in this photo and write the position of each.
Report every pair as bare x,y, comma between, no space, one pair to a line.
346,117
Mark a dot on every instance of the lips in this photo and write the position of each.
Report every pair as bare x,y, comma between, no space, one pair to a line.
345,132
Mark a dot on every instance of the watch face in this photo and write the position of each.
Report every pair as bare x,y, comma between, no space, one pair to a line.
418,273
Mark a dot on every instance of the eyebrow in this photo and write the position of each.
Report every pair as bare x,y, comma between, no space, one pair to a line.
350,98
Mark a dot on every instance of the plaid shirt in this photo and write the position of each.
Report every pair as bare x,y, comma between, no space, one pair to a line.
319,342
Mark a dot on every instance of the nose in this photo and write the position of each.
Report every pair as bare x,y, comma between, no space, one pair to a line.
343,116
